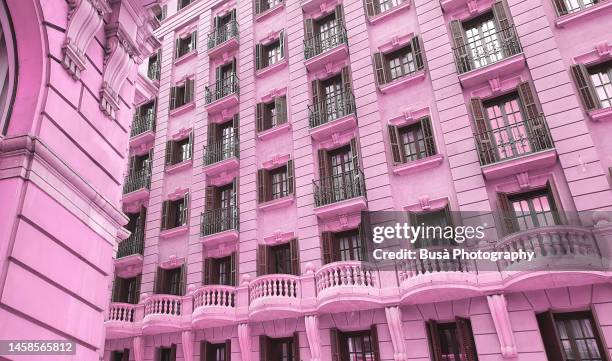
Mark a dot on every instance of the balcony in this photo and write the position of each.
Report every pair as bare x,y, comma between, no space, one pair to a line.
153,71
275,296
342,193
120,320
214,305
326,47
334,114
515,148
223,39
347,286
136,186
219,225
162,314
485,58
222,94
143,129
130,252
221,156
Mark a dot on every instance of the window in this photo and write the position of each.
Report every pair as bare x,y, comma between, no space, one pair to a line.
278,259
439,219
123,355
529,210
271,114
185,44
178,151
216,351
175,213
600,77
221,208
279,349
275,183
166,353
355,346
343,246
331,98
573,336
452,341
8,68
171,281
324,33
594,84
565,7
140,163
220,271
399,63
126,290
160,12
182,3
181,94
224,28
154,66
339,175
222,141
375,7
412,142
271,53
264,5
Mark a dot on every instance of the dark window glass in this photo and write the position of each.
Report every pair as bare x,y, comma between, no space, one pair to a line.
388,4
507,124
280,259
269,4
601,76
281,349
349,246
216,352
577,5
165,354
278,177
449,342
223,271
357,346
177,213
272,53
185,45
534,209
270,119
173,285
438,219
401,62
128,290
333,97
183,3
578,337
483,40
117,356
412,142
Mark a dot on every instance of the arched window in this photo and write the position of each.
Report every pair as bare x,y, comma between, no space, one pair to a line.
7,66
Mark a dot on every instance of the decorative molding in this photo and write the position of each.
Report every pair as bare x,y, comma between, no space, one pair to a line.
426,204
181,134
223,177
219,250
278,237
337,139
244,340
523,180
172,262
501,319
273,93
276,161
342,222
330,68
314,337
496,86
85,19
396,330
410,115
600,52
178,193
271,36
395,42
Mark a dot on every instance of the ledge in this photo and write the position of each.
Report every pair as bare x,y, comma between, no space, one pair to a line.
272,68
338,53
402,82
190,55
418,165
601,115
261,16
276,203
564,20
222,166
273,132
339,125
175,168
174,232
129,261
389,13
142,193
229,236
353,205
142,138
482,75
226,102
225,47
504,168
182,109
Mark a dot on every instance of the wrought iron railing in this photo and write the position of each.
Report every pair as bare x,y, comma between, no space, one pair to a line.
219,220
137,180
143,123
339,187
154,70
487,50
513,140
222,34
325,40
134,244
333,107
222,88
221,150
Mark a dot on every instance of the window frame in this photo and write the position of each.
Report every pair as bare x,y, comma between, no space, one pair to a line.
604,67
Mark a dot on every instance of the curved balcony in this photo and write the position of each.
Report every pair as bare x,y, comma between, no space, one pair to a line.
214,305
162,313
347,286
120,320
275,296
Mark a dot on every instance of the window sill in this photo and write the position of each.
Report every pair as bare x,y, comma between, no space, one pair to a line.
271,68
174,232
504,67
273,132
418,165
564,20
276,203
182,109
540,160
340,52
137,195
402,82
261,16
185,57
228,237
601,115
389,13
225,165
175,168
225,47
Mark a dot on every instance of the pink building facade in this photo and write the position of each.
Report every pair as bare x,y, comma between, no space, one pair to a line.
266,128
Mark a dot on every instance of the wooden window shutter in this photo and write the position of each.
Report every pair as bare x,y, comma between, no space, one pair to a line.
460,42
485,146
334,341
212,133
372,7
280,104
561,7
204,351
339,11
258,56
173,352
501,15
262,260
308,29
208,271
194,40
263,348
433,336
345,74
585,87
228,350
177,46
296,346
553,199
160,280
137,289
506,213
233,14
380,69
327,247
169,152
324,164
235,190
164,11
257,6
189,90
183,284
132,164
262,192
236,126
210,198
375,346
294,250
598,333
126,355
550,337
164,215
290,177
191,142
428,137
234,64
281,43
317,94
219,77
259,115
397,150
417,52
172,97
185,213
536,128
355,153
528,100
233,272
117,284
466,339
367,245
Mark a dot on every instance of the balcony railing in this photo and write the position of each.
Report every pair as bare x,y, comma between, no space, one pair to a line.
143,123
121,312
346,274
137,180
132,245
331,108
513,140
276,285
222,34
154,70
222,88
487,50
339,187
221,150
215,296
165,305
324,41
219,220
418,267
